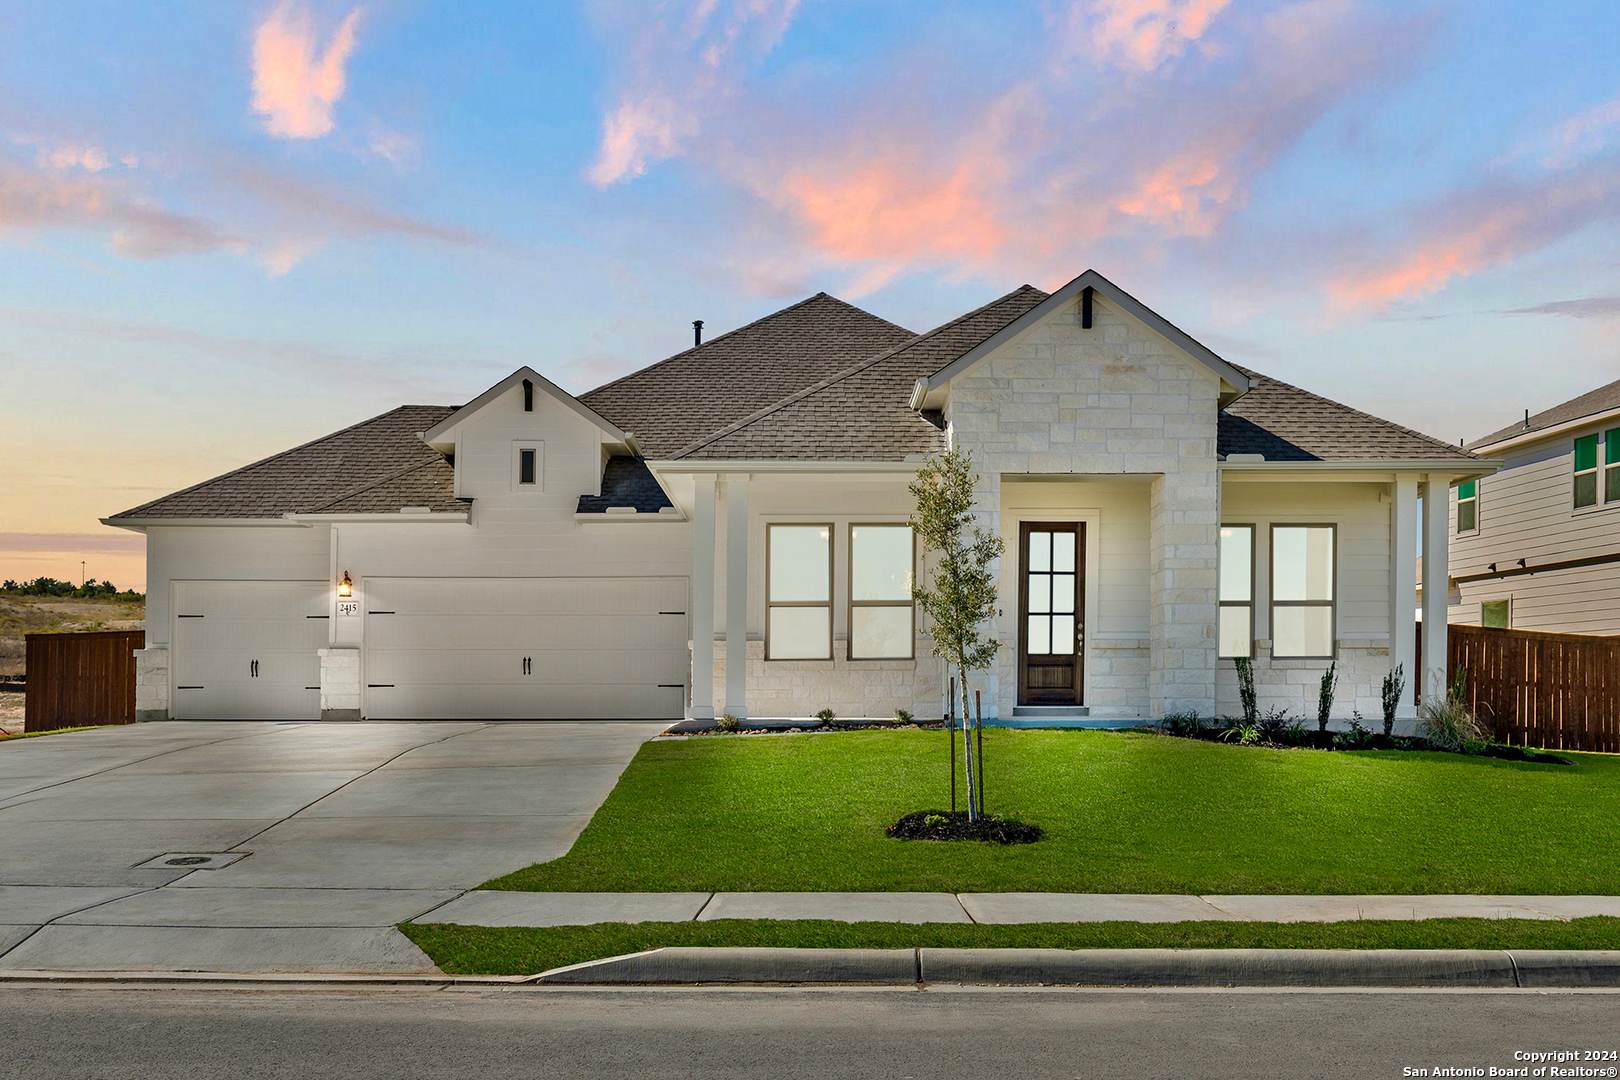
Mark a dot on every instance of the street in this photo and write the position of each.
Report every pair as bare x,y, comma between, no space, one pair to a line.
71,1032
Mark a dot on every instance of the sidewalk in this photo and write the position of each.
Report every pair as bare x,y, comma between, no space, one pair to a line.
577,909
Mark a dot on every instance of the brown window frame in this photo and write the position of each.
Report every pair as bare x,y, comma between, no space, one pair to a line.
1254,532
1332,605
851,603
832,531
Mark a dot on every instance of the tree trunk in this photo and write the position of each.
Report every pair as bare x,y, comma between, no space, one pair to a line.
967,754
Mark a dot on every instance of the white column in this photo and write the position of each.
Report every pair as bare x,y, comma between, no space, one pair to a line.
1403,528
702,707
1436,581
737,596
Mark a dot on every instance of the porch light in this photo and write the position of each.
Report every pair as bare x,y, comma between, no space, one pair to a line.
345,587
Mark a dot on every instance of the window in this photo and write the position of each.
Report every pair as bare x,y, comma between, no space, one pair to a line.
528,466
1586,471
1495,613
1237,591
798,592
1302,592
1468,506
882,559
1611,465
525,466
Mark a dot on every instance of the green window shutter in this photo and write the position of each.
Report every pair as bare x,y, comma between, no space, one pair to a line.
1586,453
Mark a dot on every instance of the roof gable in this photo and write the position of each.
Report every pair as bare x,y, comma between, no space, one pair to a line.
1116,296
442,436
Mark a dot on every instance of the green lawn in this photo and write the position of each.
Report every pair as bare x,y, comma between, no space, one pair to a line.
518,950
1122,811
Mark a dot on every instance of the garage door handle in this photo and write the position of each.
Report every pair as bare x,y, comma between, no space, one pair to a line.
253,668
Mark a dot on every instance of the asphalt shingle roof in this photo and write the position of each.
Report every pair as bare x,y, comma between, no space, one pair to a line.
864,412
376,466
1286,423
1603,399
626,481
694,393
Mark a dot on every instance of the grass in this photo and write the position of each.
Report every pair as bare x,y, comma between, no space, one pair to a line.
54,731
521,950
1122,812
20,615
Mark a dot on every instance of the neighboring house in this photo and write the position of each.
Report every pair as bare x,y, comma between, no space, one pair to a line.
1536,546
536,554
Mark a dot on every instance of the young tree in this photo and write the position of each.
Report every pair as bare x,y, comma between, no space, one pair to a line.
963,596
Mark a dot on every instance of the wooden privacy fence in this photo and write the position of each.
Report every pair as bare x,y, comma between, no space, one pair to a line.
1551,691
80,679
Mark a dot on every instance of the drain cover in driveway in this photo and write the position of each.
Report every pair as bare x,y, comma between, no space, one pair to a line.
192,860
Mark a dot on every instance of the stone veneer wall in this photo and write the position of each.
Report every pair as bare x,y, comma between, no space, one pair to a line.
340,684
1294,684
152,683
1119,676
850,688
1111,399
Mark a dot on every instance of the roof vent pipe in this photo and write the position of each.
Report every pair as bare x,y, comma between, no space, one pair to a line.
697,332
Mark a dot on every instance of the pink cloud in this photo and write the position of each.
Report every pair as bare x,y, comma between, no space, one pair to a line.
1144,34
295,82
32,199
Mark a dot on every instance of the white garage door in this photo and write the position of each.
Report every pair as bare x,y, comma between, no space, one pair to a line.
246,650
525,648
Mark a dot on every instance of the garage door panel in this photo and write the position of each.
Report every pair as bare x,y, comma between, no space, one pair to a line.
248,650
597,647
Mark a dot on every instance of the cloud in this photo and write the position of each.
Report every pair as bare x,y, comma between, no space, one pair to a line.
683,66
1589,307
1585,134
121,542
295,82
1144,34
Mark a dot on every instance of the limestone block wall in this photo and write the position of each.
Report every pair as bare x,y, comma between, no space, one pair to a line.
340,684
1294,685
1119,677
152,683
850,688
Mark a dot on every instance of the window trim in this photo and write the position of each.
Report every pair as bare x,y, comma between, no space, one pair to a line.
1595,472
1474,498
1254,534
1332,605
539,448
849,592
832,543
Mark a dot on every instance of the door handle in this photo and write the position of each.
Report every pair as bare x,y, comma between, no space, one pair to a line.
253,669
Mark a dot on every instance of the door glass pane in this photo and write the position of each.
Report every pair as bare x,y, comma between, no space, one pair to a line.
880,562
800,568
1063,593
1063,552
1237,563
1040,551
1301,631
1040,635
1235,635
878,632
1040,593
1302,562
1063,634
799,633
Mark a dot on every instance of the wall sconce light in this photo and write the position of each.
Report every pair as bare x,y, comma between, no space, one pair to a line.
345,587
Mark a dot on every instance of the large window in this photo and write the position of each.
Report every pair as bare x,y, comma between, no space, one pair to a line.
1302,592
881,562
798,592
1468,506
1237,590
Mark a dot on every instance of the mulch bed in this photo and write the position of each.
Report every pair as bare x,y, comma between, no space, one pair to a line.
948,825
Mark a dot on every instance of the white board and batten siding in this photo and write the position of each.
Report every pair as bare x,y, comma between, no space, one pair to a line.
525,648
247,650
1526,511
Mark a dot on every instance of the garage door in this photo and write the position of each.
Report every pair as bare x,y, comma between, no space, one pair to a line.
525,648
247,650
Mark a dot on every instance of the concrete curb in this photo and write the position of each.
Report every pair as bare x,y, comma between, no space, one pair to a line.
1102,967
260,978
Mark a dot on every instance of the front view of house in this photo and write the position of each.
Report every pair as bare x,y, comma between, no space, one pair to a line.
727,531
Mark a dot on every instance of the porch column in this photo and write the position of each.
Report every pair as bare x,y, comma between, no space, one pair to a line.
1403,528
1436,581
737,596
1183,593
702,707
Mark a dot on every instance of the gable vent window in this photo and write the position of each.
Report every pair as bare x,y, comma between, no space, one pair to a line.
1586,471
1468,506
525,466
528,466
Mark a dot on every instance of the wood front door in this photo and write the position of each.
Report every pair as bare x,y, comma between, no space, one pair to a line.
1051,638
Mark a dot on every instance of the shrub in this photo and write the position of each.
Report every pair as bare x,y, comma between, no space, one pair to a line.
901,716
1394,684
728,723
826,716
1276,725
1245,674
1447,721
1243,733
1359,737
1185,724
1324,696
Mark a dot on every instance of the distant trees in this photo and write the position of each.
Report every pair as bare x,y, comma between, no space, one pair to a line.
47,586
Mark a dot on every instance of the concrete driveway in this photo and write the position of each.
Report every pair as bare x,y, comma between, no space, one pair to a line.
347,829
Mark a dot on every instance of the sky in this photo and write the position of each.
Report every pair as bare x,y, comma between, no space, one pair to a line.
229,228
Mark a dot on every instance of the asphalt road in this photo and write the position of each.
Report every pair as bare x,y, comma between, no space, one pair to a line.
64,1033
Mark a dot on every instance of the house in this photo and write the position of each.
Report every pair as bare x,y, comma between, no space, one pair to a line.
1536,546
726,530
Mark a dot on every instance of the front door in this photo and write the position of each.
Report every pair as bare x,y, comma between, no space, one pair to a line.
1051,640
